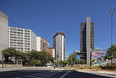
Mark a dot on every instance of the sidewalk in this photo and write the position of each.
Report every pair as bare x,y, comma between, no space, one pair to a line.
11,69
24,68
96,71
90,70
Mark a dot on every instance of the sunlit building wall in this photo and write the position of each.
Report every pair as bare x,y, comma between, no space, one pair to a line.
3,32
23,40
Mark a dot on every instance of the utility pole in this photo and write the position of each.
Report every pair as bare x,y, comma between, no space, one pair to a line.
46,60
57,59
111,12
2,56
71,60
77,56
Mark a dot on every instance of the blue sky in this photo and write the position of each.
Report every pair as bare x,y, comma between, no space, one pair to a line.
47,17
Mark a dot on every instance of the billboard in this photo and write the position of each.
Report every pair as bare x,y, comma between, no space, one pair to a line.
98,57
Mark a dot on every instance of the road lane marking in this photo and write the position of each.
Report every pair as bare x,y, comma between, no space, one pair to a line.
64,74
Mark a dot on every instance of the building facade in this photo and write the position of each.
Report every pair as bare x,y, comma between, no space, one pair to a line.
59,46
3,32
22,40
42,44
86,39
52,52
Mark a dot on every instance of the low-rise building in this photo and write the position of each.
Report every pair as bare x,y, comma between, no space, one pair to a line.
52,51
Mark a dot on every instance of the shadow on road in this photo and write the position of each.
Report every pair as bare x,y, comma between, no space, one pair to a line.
71,74
77,74
20,73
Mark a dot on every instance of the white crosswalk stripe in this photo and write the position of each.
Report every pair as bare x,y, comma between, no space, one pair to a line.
39,75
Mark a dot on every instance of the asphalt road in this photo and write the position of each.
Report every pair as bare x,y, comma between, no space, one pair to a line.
76,74
32,73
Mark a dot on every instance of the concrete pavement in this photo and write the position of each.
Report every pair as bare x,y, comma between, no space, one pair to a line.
25,68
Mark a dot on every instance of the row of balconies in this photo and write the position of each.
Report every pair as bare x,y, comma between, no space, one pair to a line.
18,46
19,32
17,29
21,41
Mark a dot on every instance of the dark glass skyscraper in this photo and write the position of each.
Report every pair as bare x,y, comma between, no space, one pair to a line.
86,39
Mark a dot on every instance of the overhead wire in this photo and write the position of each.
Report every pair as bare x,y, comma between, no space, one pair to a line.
12,22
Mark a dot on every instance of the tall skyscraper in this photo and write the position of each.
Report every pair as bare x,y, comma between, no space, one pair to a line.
86,39
59,46
3,32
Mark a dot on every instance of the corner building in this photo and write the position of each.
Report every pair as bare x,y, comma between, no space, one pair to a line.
86,39
59,46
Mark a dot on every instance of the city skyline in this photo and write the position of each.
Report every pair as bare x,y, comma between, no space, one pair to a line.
45,18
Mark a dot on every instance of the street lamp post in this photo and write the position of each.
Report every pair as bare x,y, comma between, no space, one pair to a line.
77,59
111,12
46,60
58,59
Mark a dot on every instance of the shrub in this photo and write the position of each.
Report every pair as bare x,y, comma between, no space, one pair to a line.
35,62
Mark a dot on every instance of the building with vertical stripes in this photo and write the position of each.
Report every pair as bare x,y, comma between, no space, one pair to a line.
59,46
86,39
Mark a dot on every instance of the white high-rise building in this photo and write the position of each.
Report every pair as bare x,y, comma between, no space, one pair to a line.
59,46
3,32
23,40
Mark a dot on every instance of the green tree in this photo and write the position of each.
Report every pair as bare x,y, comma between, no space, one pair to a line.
34,54
35,62
46,56
72,59
55,62
0,61
9,52
111,53
93,60
29,57
41,55
64,62
82,61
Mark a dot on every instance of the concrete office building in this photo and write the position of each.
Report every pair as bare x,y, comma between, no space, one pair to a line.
23,40
59,46
3,32
42,44
86,39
